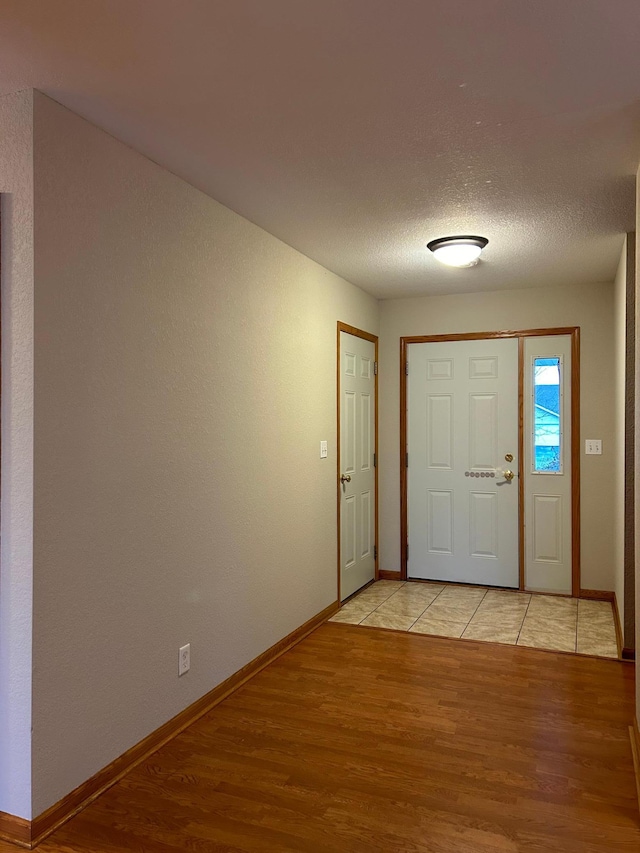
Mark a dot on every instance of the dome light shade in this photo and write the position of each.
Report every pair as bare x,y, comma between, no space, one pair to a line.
458,251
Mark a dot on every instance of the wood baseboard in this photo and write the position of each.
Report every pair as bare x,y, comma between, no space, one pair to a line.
30,833
384,575
17,830
598,594
634,734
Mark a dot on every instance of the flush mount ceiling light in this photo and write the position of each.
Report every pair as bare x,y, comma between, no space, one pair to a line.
458,251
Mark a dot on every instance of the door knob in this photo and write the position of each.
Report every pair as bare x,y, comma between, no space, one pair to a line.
508,475
346,478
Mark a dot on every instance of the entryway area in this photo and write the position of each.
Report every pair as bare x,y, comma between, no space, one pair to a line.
475,613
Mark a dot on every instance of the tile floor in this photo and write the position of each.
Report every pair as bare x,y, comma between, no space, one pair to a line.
496,616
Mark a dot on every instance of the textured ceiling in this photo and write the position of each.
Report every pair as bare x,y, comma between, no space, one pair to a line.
357,130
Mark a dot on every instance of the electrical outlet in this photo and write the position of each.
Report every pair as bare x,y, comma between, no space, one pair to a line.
323,450
184,659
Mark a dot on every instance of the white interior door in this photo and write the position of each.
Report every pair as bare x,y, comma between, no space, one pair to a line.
462,426
547,463
357,471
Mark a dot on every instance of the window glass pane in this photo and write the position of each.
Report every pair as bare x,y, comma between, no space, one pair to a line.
547,412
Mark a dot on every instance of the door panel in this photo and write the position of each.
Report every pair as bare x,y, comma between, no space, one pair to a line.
462,419
482,431
439,430
349,531
440,521
365,524
348,422
357,446
366,454
483,524
547,528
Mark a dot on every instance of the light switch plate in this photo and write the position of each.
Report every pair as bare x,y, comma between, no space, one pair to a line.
593,446
323,450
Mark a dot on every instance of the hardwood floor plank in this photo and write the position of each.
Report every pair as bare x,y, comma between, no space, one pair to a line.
359,741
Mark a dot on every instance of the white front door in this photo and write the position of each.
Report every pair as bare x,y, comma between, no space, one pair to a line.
462,427
357,471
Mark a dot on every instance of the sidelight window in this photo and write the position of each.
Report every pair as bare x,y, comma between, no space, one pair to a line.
547,415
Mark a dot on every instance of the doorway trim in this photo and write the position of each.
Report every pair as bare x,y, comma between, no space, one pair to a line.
574,333
367,336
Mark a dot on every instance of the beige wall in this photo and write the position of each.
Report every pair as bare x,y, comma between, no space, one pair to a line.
16,186
184,377
591,308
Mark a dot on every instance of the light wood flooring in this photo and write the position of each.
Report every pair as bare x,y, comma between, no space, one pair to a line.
370,741
496,616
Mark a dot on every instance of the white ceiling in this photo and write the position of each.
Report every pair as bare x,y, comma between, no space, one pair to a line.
358,130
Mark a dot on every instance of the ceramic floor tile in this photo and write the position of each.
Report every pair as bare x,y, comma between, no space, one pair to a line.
381,620
590,646
463,593
495,615
498,599
510,620
424,598
551,605
590,605
421,588
351,616
403,606
356,608
507,594
597,637
388,584
547,634
456,606
380,588
495,607
428,624
359,604
451,613
374,595
598,612
562,620
491,633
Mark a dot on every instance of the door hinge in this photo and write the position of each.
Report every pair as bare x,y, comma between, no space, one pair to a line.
407,552
406,368
375,552
406,462
374,460
375,368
